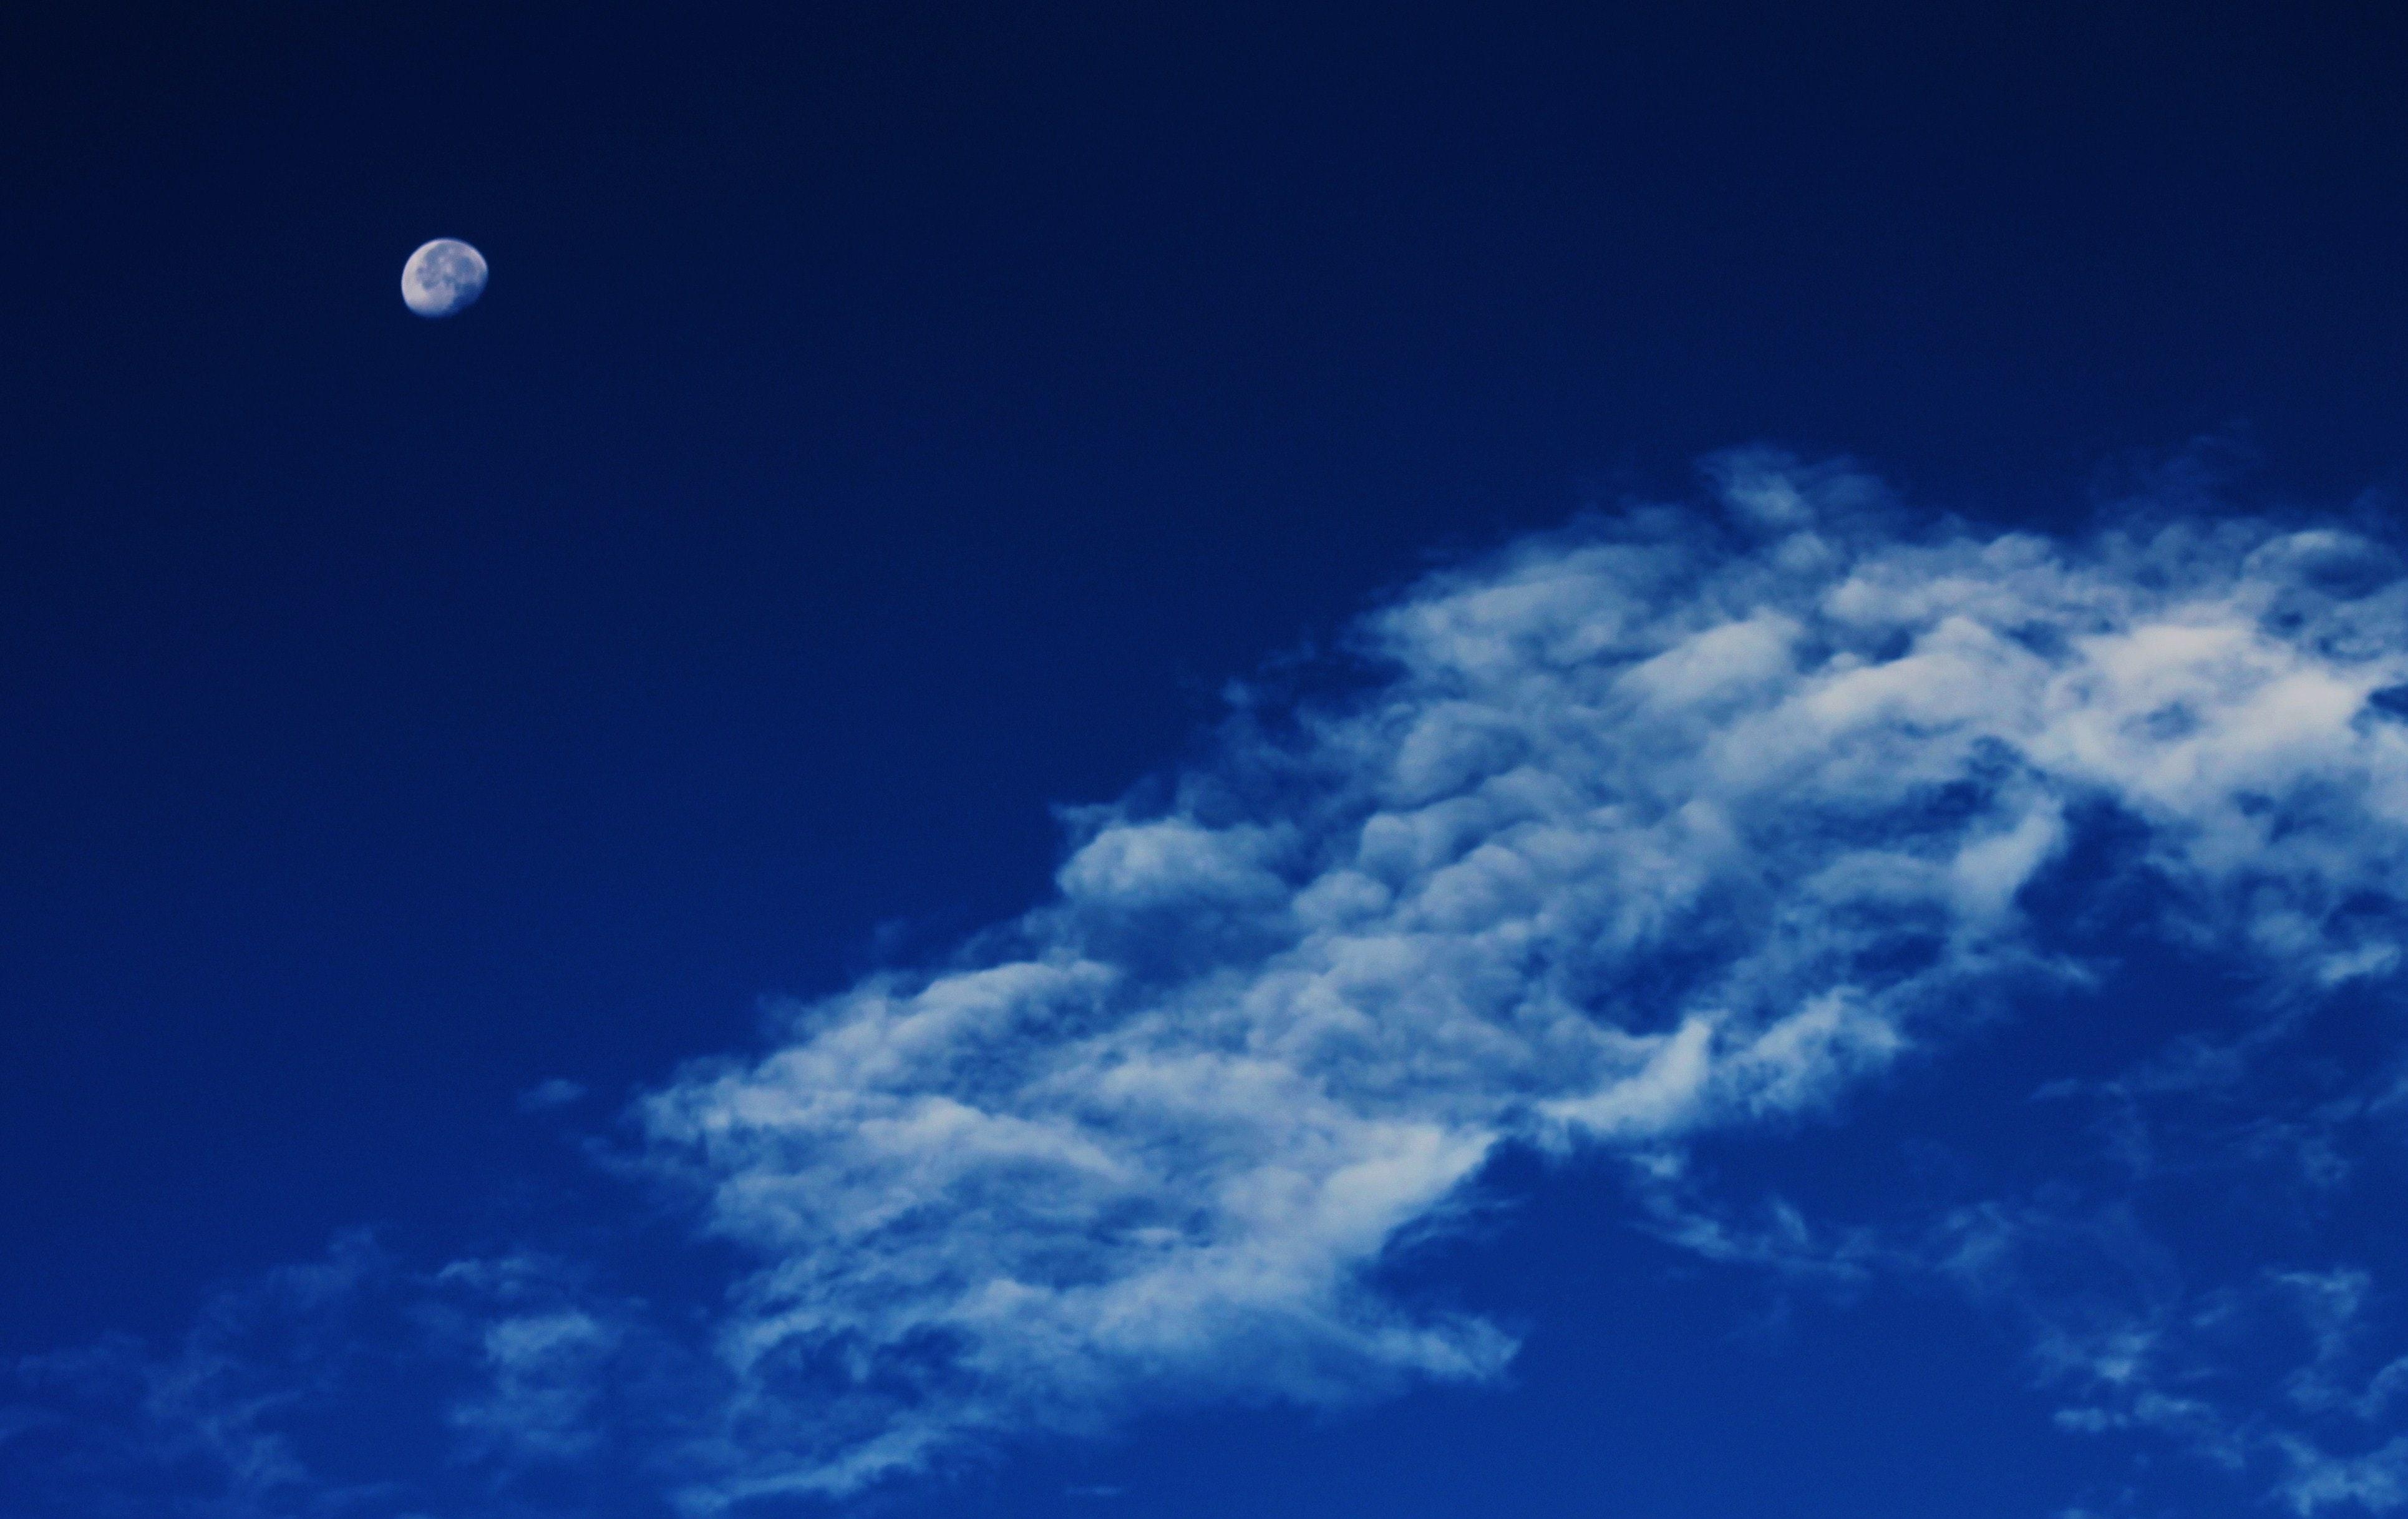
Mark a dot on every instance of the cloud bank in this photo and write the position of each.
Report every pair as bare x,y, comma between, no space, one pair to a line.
1681,822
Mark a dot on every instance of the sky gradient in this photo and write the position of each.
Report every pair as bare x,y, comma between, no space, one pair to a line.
1352,763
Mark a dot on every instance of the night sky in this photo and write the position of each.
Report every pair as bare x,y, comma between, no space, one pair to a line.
950,493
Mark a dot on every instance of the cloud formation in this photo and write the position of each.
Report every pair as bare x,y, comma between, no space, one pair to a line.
1662,824
1680,822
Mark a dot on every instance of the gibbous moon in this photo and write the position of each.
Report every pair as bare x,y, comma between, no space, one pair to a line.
443,278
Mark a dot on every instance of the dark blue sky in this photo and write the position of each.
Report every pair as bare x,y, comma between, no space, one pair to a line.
886,425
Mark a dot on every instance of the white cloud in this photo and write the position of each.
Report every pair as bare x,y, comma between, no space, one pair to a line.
1690,820
1682,822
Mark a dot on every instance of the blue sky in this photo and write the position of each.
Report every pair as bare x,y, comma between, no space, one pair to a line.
1328,762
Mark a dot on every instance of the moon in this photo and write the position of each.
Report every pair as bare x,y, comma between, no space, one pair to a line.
443,278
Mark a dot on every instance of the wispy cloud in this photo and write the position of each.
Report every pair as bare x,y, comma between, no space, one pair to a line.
549,1096
1674,823
1684,820
214,1423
